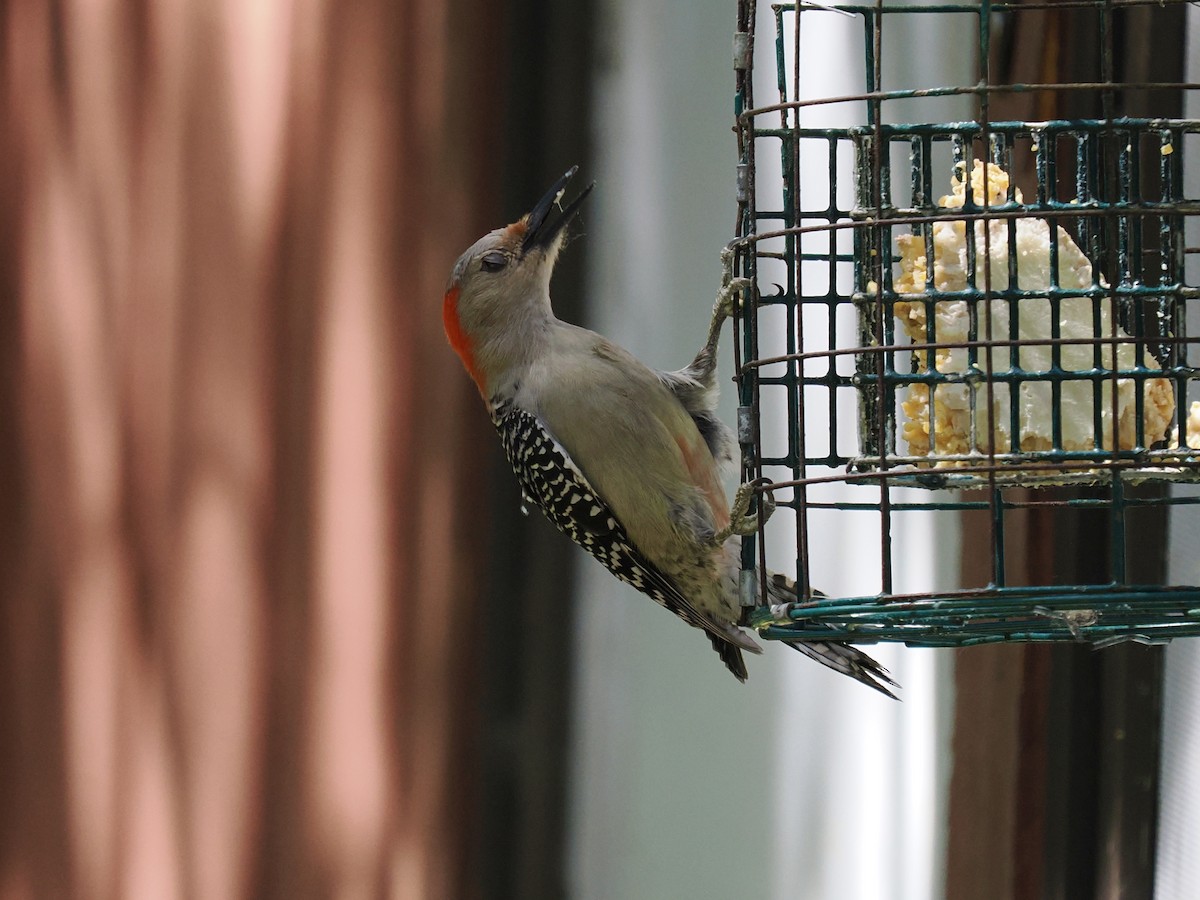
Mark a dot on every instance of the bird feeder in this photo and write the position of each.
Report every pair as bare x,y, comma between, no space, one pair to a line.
979,317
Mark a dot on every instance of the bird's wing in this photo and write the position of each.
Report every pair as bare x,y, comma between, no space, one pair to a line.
550,478
699,398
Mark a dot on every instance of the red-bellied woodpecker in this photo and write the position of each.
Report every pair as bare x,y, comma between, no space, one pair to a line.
624,459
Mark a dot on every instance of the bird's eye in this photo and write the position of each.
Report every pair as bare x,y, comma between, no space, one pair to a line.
493,262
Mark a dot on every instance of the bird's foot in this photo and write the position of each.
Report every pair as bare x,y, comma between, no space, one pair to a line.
729,298
741,520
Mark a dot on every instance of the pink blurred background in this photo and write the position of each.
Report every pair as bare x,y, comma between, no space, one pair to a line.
239,499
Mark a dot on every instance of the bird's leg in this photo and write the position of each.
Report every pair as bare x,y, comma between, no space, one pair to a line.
726,306
741,520
727,299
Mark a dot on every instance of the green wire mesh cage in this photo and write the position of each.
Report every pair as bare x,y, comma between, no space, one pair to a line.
981,317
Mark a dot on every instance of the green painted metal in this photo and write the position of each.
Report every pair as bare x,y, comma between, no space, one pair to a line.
1116,182
1096,613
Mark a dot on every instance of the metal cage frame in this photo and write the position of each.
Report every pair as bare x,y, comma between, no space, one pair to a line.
1115,180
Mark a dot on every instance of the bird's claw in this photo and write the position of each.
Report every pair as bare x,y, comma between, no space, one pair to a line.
741,520
727,297
728,301
726,306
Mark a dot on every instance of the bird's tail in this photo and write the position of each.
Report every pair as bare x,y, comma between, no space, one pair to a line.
731,655
838,656
730,646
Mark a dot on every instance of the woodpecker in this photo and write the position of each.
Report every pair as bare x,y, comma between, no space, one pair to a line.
624,459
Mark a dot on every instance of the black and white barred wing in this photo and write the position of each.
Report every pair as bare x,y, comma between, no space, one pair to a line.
551,479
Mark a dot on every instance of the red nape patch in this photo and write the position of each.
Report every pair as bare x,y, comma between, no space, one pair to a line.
457,338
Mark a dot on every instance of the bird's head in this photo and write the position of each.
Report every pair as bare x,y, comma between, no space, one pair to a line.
501,284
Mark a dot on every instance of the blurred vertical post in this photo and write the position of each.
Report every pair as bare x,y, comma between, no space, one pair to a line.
1056,747
238,489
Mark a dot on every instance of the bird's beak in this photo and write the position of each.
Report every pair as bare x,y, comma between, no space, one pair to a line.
539,232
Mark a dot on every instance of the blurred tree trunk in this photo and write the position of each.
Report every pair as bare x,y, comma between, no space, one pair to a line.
237,466
1054,791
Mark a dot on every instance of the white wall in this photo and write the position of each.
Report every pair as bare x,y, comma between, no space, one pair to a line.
686,783
669,795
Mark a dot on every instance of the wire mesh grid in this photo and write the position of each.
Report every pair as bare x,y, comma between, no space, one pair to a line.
952,313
